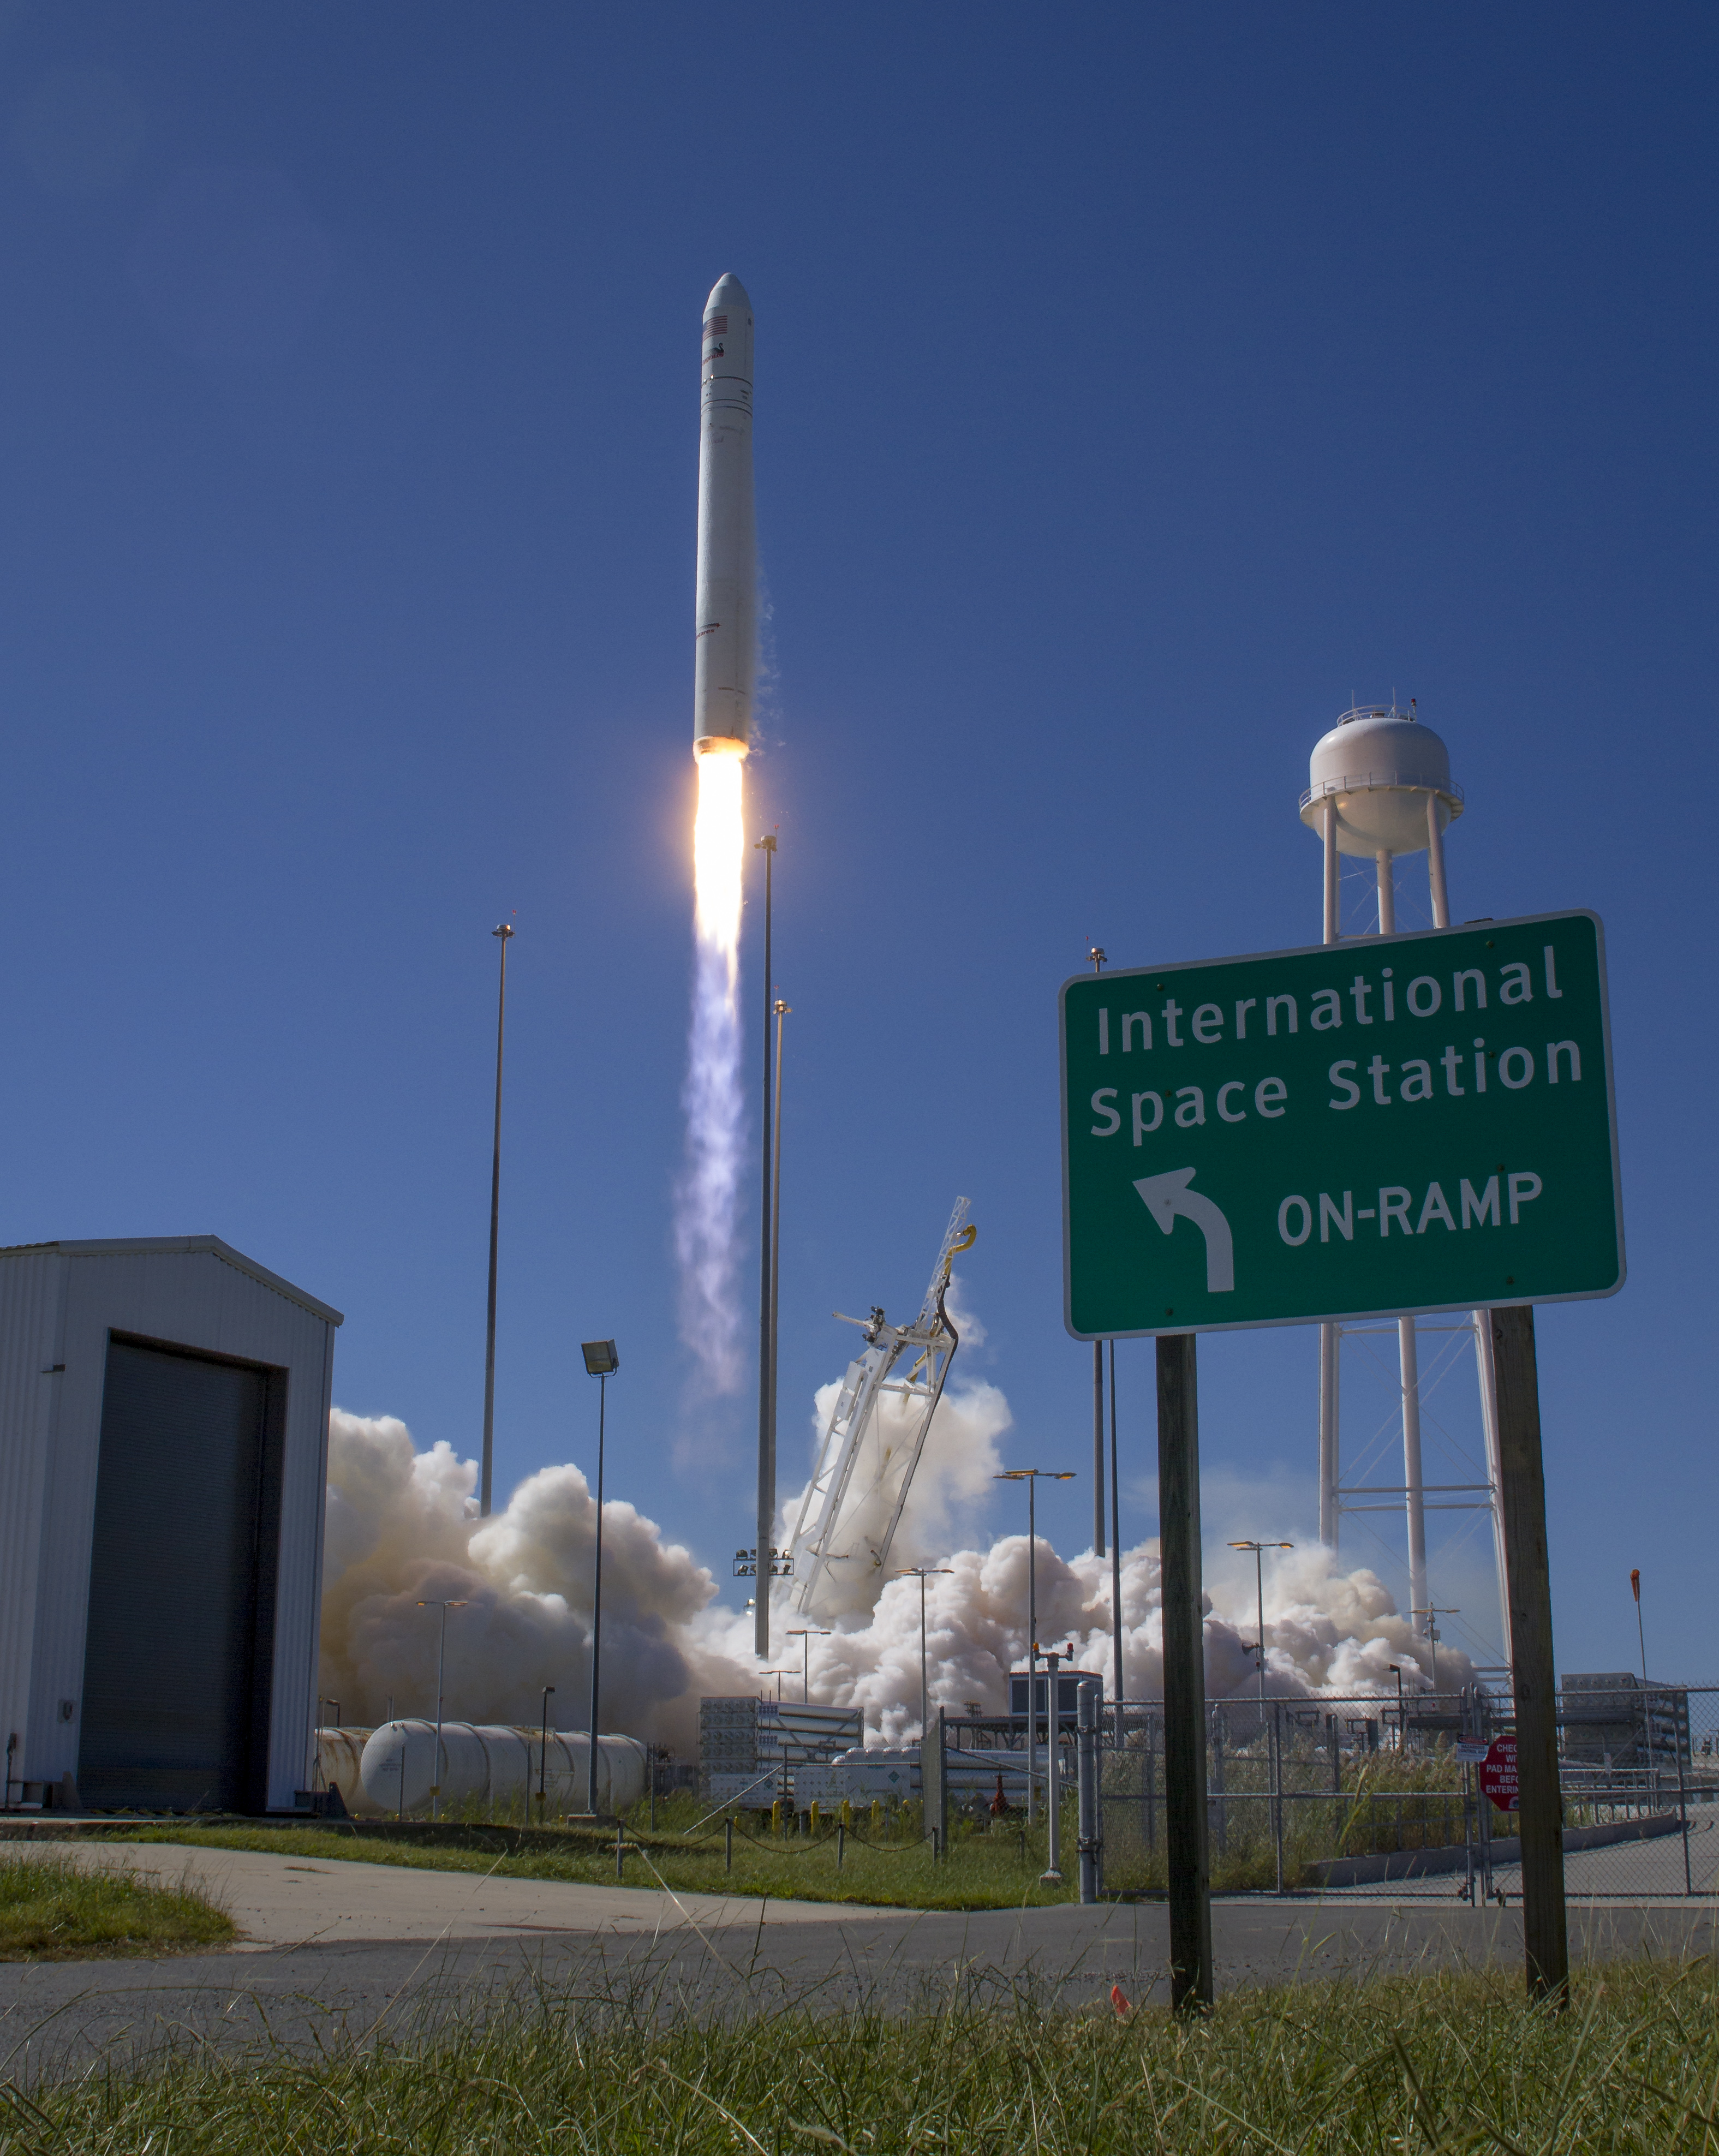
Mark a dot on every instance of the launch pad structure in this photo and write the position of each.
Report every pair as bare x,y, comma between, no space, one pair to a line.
859,1473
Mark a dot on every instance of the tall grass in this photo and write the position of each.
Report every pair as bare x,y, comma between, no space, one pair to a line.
1442,2063
51,1909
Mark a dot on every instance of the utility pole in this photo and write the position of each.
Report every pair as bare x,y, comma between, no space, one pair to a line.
1032,1477
601,1363
441,1663
767,1402
505,932
1115,1554
1095,953
922,1573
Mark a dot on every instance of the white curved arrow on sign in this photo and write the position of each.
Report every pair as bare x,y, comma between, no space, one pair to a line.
1165,1196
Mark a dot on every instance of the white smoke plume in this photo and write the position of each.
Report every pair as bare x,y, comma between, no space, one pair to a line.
402,1529
705,1232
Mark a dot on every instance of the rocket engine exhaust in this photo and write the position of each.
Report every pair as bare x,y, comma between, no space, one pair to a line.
725,665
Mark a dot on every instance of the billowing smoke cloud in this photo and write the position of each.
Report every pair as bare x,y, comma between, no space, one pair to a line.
402,1529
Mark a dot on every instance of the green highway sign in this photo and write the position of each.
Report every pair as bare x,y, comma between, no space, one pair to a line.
1396,1124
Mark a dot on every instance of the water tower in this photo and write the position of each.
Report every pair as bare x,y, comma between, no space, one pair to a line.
1380,787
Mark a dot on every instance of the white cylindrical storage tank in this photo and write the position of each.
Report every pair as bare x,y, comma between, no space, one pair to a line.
491,1764
340,1755
1380,766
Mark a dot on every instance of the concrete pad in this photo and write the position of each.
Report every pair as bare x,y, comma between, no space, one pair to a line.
285,1901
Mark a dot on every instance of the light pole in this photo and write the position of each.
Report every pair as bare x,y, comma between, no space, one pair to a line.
1260,1594
1051,1876
766,1389
543,1755
1433,1613
601,1363
1032,1477
441,1663
1640,1636
1401,1714
505,932
1096,954
1116,1553
922,1573
810,1633
1268,1729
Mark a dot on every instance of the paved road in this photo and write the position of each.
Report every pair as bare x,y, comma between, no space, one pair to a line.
624,1957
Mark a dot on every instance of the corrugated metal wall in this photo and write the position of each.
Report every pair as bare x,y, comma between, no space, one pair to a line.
189,1292
31,1283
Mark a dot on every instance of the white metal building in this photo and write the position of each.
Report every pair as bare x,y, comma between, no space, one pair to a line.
163,1452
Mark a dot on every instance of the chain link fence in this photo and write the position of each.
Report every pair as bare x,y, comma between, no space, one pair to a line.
1372,1793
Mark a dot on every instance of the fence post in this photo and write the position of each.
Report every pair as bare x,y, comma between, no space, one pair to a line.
1677,1733
1086,1773
1190,1893
1522,1491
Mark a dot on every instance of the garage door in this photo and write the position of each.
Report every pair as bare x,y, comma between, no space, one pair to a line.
182,1585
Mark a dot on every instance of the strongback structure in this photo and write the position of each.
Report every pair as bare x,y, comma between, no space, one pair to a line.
163,1454
1380,786
853,1505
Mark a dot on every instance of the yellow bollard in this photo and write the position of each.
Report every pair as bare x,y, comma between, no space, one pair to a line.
814,1819
776,1817
847,1813
877,1815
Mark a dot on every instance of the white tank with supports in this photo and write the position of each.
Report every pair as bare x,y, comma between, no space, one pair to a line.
1380,785
1380,767
491,1764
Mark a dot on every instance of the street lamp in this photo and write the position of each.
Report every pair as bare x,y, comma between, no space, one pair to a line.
1051,1876
807,1636
601,1363
543,1755
922,1573
1432,1613
1031,1477
1259,1596
441,1660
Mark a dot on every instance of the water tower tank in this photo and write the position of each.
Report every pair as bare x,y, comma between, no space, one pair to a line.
1381,765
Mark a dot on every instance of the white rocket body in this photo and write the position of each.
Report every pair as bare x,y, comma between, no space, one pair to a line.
725,620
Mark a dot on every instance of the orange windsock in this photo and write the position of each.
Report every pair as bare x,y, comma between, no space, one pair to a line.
1635,1585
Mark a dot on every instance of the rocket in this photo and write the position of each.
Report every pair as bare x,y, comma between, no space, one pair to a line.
726,618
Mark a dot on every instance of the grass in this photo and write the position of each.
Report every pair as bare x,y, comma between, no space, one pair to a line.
884,1864
51,1910
1437,2063
984,1870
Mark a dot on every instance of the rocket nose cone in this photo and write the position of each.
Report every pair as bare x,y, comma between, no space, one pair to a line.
728,291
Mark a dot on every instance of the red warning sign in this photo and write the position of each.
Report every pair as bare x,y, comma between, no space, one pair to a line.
1498,1773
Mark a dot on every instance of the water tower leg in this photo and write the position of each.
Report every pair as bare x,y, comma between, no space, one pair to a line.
1332,931
1488,1377
1413,1487
1329,1336
1387,895
1329,1468
1435,866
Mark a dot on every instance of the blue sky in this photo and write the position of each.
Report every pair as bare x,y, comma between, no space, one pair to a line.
1134,386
